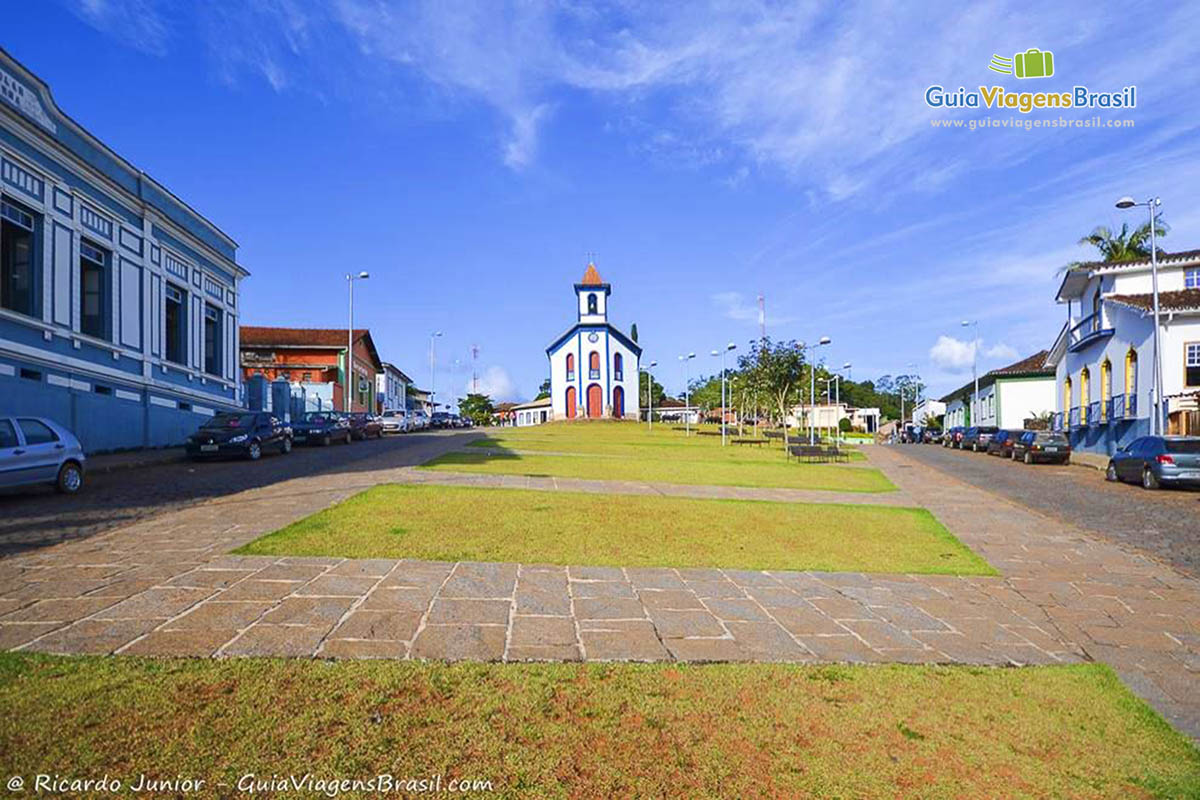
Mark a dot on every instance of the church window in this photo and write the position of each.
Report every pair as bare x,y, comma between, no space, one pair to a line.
592,304
594,366
570,366
618,367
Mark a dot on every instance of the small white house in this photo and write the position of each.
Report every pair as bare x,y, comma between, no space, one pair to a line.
1104,355
928,410
593,365
1008,396
536,412
391,386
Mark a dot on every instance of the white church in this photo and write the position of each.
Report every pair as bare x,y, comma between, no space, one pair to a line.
593,366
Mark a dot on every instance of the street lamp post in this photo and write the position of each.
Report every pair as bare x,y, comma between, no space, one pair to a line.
432,375
812,388
916,390
687,395
1152,205
350,279
650,395
966,323
722,352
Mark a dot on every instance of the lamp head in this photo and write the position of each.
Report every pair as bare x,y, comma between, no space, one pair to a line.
1126,202
364,274
846,365
654,363
691,355
731,346
967,323
824,340
716,352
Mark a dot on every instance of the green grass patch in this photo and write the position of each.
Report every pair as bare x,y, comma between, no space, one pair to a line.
450,523
778,474
597,730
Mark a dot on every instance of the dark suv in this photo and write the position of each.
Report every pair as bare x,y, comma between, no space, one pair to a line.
243,433
1033,446
364,426
1001,443
976,438
322,427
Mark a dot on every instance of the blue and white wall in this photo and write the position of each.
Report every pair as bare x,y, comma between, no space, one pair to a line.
119,389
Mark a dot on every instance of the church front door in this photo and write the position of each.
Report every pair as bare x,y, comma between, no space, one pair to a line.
570,402
595,401
618,403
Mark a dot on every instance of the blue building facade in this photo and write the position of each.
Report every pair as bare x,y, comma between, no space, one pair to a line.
118,302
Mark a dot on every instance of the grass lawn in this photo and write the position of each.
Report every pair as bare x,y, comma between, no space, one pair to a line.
596,731
776,474
446,523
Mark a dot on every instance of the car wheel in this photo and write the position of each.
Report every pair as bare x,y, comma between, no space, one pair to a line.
1110,474
1028,458
70,478
254,451
286,447
1149,479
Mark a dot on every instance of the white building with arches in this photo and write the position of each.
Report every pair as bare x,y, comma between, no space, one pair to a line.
593,365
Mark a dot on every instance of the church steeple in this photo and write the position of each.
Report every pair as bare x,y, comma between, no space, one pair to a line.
592,293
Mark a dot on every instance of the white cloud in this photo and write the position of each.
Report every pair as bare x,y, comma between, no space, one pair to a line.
952,354
134,22
495,382
1001,352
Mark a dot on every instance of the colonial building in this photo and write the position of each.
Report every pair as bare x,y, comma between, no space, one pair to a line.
118,301
391,387
1104,355
535,412
314,361
593,366
1008,396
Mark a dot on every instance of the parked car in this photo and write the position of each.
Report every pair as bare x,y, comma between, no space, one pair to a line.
321,427
932,436
37,450
1033,446
1001,443
394,421
239,433
364,425
418,420
953,437
1158,461
976,438
441,419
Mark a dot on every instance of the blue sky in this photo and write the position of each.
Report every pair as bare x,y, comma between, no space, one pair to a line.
470,155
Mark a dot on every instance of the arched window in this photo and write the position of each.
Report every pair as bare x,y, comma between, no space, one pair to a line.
1105,389
594,366
1085,394
1130,376
570,366
1067,399
618,367
592,303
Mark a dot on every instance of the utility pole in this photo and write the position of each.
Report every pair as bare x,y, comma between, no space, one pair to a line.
762,316
474,369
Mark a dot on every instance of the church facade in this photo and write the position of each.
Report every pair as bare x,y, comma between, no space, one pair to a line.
593,366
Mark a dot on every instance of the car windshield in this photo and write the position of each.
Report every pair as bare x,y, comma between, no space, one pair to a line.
391,413
1052,438
317,418
230,421
1187,446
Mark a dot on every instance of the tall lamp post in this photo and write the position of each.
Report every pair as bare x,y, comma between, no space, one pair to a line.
974,323
724,405
1152,205
916,390
650,395
812,387
687,395
432,375
350,279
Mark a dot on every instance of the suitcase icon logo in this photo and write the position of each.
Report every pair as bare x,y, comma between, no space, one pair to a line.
1033,63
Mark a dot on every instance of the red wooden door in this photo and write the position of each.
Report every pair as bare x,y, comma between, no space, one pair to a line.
571,403
618,403
595,401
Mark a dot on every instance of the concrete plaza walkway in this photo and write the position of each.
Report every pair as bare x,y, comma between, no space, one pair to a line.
167,586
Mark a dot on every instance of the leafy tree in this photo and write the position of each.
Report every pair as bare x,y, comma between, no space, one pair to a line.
781,372
476,407
543,390
706,392
658,392
633,333
1128,245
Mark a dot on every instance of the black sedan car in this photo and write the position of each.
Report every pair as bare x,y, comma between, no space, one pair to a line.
242,433
976,438
321,427
364,426
1001,443
1034,446
1157,461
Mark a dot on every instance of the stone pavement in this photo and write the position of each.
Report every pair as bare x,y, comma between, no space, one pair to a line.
168,587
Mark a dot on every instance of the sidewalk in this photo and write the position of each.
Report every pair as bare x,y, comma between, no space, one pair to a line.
133,459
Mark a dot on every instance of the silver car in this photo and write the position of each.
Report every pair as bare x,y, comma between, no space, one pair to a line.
37,450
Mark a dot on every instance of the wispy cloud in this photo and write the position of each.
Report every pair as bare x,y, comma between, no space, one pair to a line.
136,23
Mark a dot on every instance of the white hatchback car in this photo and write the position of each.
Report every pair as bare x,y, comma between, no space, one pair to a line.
37,450
395,422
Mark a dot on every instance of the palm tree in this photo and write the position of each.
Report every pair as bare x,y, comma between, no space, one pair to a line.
1125,246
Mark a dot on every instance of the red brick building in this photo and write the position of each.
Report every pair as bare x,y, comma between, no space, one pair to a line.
313,357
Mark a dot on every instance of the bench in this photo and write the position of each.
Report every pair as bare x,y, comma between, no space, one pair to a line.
809,452
773,434
759,442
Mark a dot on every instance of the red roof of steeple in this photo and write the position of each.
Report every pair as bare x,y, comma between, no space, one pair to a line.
591,277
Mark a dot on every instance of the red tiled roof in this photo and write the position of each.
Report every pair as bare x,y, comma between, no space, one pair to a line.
258,336
591,277
1164,258
1168,301
1035,363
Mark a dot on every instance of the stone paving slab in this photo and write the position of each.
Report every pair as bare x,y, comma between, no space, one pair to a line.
169,586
